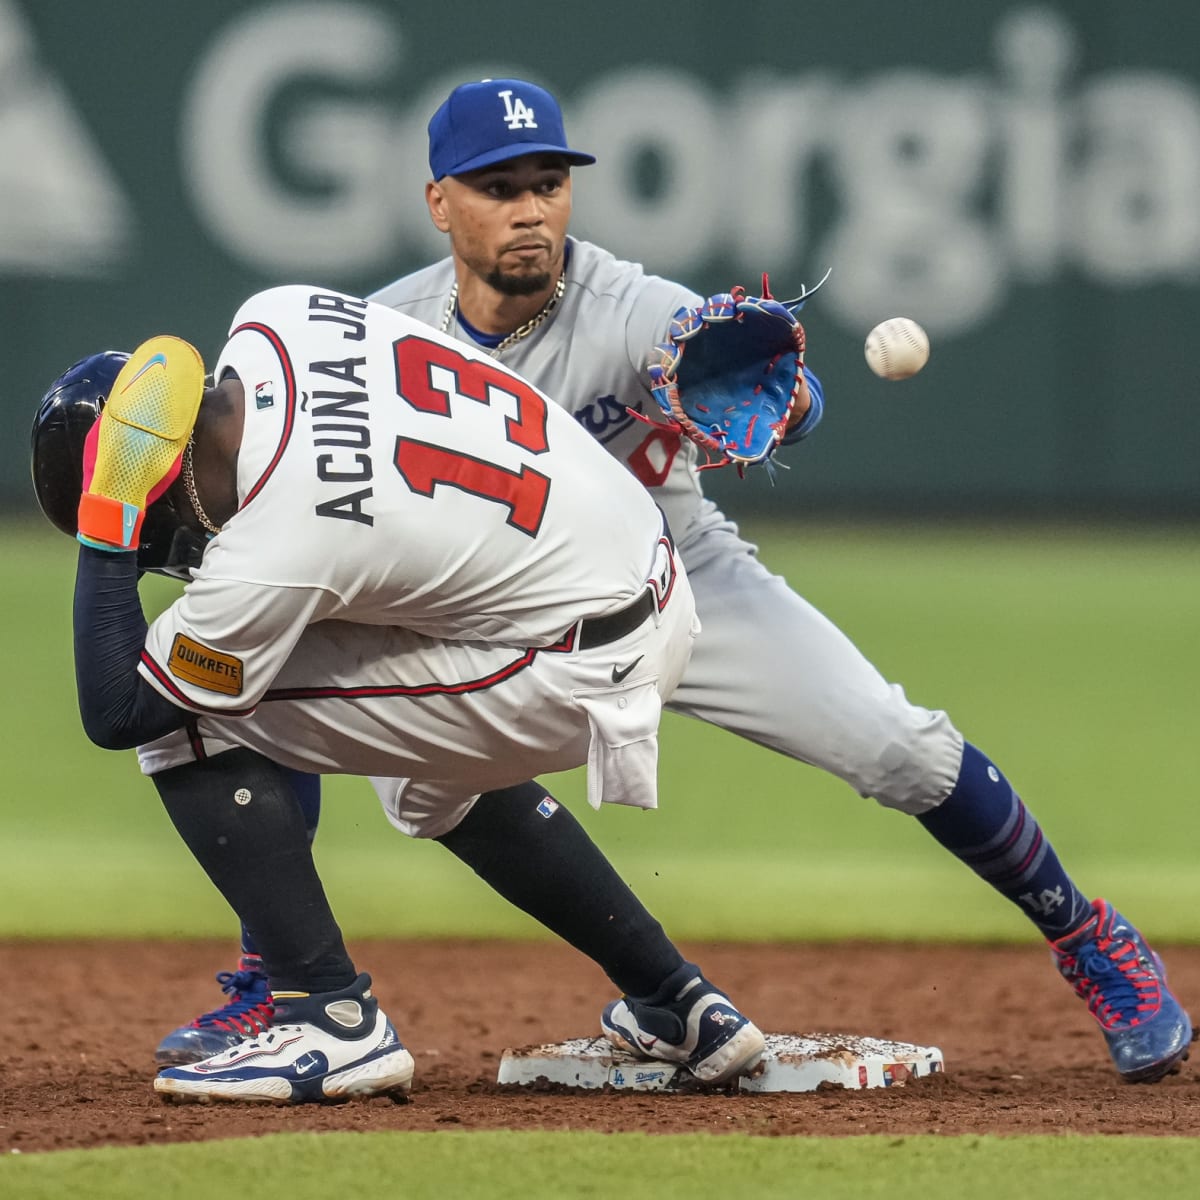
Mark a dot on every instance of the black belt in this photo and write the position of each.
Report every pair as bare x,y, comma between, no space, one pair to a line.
599,631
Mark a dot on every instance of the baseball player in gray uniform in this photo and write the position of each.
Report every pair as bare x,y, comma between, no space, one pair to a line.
581,325
419,569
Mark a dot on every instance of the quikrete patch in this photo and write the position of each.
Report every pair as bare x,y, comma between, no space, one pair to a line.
205,668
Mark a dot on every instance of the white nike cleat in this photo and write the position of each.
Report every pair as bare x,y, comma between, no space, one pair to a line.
319,1048
687,1021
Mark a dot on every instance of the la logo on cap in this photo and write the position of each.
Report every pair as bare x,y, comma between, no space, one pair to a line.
517,114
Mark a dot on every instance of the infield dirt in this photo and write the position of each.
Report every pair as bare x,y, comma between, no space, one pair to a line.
81,1020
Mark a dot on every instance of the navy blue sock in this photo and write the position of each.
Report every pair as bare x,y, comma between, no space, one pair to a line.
983,823
307,789
257,855
529,849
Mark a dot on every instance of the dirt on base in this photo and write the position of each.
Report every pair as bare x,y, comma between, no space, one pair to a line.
81,1020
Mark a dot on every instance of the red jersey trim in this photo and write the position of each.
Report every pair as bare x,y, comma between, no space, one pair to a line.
163,679
289,414
565,644
433,688
195,740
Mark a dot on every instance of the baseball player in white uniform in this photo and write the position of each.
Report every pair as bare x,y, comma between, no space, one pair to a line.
582,324
416,571
391,477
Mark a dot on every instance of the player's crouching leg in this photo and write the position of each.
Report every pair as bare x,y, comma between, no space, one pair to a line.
320,1047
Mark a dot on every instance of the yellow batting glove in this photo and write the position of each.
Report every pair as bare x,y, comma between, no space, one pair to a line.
133,452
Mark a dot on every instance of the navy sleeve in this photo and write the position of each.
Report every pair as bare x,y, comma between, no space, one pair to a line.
119,708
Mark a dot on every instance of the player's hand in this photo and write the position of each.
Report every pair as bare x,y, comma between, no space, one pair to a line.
133,452
803,405
730,375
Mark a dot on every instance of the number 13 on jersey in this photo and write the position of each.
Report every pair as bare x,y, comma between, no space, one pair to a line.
428,376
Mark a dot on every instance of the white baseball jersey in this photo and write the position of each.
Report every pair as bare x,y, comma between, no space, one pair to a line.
768,666
389,475
590,357
418,533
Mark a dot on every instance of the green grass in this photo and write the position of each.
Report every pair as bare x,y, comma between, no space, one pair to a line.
548,1166
1068,655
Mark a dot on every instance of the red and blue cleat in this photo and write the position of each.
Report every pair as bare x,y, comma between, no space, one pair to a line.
246,1014
1108,963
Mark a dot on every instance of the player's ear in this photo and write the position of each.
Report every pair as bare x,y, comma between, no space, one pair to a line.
435,197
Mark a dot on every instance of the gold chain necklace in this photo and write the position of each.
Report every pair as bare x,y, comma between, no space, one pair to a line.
189,487
517,334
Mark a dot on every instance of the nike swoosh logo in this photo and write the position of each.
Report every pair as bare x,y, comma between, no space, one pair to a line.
253,1050
159,360
619,673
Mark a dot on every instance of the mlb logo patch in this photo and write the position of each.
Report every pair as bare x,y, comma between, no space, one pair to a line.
548,807
264,395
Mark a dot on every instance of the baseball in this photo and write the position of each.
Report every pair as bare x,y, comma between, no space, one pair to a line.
897,348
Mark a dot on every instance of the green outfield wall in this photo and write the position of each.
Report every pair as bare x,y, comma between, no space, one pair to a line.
1022,179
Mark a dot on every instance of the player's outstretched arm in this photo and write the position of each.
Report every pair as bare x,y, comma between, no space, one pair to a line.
731,377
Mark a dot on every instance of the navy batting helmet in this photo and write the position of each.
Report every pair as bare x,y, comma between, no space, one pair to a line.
64,417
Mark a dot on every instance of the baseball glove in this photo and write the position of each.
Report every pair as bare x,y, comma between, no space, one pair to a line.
730,372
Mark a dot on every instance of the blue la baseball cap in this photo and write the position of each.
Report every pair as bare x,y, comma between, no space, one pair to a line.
485,123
